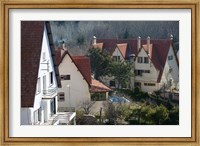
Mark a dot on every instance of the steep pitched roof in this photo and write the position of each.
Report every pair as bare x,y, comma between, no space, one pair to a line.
98,45
31,45
83,65
53,53
97,87
159,49
122,48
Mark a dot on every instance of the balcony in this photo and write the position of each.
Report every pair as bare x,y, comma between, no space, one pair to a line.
50,92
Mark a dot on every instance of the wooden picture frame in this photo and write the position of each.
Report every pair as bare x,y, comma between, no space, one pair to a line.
6,5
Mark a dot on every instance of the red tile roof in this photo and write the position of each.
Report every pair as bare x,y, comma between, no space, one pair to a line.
122,49
158,51
98,45
31,45
83,65
97,87
58,56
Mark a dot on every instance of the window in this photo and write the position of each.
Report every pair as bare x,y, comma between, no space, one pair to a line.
170,69
116,58
65,77
43,56
38,87
146,60
44,84
112,83
53,106
140,59
170,57
51,78
149,84
138,72
37,117
146,71
138,84
61,96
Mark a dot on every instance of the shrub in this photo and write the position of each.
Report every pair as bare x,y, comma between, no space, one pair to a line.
79,116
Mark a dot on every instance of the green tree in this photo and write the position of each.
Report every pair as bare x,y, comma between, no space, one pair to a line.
81,39
126,34
100,62
160,114
173,116
121,71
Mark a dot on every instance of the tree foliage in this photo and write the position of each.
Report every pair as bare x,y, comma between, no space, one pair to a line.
126,34
149,115
111,29
121,71
100,62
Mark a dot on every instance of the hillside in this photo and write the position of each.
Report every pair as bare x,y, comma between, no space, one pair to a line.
78,34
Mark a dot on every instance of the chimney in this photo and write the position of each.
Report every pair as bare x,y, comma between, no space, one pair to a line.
94,40
64,46
148,45
171,37
63,49
138,42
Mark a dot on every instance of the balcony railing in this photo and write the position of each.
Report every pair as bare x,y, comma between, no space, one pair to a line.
50,91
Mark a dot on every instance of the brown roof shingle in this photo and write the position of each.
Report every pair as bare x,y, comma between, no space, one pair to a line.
31,45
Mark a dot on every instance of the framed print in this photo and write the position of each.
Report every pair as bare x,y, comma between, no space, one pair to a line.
102,73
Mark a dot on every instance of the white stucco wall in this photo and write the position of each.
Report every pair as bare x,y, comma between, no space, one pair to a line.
78,91
118,53
42,72
146,77
174,74
26,116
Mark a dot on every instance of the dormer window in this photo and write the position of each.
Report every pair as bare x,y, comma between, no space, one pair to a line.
116,58
146,60
140,60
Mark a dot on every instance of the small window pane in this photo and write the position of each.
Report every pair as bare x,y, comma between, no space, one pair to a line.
146,60
65,77
170,57
61,96
140,59
38,87
51,77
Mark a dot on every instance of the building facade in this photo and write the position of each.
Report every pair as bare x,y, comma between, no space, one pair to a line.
156,66
40,75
